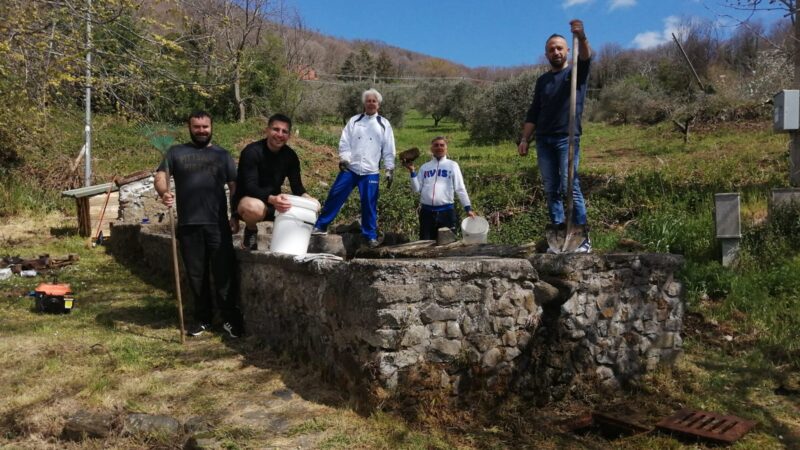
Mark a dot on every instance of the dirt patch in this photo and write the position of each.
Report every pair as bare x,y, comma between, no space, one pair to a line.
25,230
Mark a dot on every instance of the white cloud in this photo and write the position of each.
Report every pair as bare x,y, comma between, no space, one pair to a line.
569,3
614,4
650,39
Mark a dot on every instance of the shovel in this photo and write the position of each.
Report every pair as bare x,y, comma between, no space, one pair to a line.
575,234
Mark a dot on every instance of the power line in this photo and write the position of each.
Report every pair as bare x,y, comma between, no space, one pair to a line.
344,83
342,75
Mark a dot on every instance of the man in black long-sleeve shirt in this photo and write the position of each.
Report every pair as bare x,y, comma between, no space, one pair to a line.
548,118
263,167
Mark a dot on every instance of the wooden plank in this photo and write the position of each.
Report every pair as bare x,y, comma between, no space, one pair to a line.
84,216
111,214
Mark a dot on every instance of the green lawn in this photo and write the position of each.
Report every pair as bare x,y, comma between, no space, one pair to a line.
119,349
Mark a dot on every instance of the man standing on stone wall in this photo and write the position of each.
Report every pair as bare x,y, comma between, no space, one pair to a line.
264,165
201,170
366,140
548,117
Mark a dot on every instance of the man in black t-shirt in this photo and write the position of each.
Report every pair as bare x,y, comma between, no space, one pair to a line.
201,170
263,167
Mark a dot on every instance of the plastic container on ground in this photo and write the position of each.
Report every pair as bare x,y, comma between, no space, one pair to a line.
474,230
291,232
5,273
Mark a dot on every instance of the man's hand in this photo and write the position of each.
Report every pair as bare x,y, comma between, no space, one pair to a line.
576,26
280,202
168,199
522,149
234,222
343,165
409,166
471,214
389,178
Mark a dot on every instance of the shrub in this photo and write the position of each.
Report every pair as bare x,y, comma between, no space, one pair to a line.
631,100
500,111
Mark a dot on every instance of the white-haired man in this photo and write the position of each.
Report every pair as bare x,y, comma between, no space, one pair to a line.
366,140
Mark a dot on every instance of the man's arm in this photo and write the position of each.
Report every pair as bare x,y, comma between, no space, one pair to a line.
388,150
295,181
461,190
527,131
345,152
248,177
416,186
584,50
234,221
161,184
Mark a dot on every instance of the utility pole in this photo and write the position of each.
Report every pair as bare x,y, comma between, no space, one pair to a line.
794,150
87,173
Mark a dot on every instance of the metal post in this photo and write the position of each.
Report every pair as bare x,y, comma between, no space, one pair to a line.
794,159
728,223
87,173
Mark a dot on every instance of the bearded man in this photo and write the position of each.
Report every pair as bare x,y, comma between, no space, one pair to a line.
548,117
201,170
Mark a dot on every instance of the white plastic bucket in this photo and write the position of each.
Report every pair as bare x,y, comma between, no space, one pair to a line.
474,230
292,229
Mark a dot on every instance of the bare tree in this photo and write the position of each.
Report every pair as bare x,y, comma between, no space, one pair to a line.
242,24
790,7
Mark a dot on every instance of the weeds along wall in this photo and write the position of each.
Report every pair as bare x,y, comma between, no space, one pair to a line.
394,329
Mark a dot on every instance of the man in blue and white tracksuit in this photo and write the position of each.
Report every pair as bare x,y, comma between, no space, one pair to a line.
438,181
366,140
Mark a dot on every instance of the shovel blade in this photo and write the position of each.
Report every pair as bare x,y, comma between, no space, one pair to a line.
555,236
574,237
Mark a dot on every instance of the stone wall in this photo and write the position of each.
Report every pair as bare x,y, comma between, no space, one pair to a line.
138,200
539,326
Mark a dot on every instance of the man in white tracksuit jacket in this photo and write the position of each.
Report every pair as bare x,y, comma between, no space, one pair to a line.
438,181
366,140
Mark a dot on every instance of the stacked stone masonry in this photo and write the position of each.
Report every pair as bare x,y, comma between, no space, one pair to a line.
539,325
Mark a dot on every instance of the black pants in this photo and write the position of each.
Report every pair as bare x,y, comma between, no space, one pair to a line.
431,221
207,251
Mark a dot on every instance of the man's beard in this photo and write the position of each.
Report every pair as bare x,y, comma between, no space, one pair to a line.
200,141
557,65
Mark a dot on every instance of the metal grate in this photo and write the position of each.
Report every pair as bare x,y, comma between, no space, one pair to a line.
706,425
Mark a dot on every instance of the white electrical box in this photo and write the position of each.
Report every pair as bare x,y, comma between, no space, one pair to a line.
726,216
786,115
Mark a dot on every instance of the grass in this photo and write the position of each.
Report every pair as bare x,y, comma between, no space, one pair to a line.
119,349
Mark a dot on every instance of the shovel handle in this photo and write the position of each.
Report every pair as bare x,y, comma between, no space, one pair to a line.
573,103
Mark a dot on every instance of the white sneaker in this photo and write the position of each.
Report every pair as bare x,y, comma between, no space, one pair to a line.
585,247
318,232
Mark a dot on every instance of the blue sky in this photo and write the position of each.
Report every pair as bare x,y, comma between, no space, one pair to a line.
508,32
